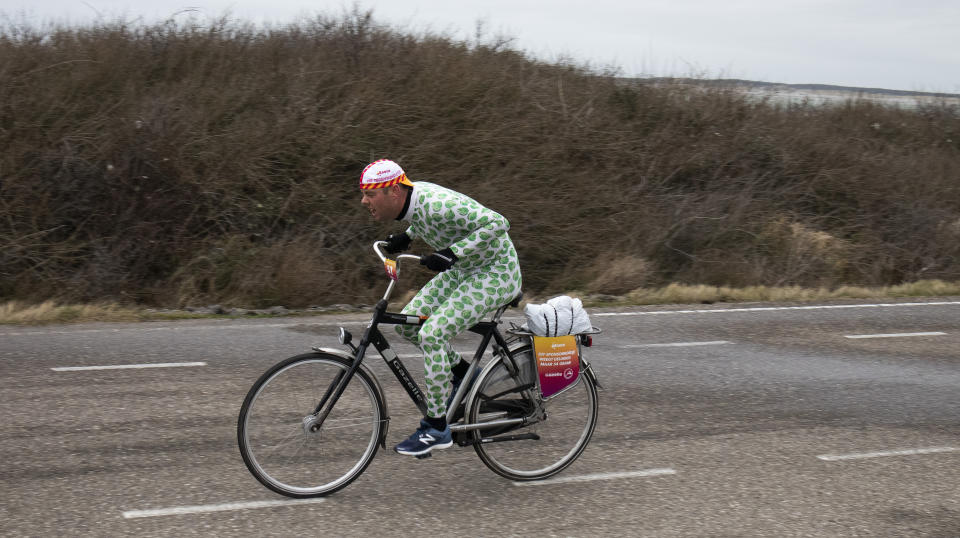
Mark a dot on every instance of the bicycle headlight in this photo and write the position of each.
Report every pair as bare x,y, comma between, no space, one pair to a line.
344,336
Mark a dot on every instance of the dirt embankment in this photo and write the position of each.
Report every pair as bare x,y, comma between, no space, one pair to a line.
176,164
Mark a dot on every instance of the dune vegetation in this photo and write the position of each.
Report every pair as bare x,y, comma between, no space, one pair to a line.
179,163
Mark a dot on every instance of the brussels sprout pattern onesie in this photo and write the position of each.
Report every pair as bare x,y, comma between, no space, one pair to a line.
485,277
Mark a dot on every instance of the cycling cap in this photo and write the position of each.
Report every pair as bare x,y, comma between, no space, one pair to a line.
382,173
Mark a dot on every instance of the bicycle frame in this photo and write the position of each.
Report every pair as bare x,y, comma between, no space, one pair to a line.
488,330
501,400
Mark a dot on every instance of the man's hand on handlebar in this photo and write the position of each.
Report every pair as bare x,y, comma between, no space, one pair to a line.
440,260
397,242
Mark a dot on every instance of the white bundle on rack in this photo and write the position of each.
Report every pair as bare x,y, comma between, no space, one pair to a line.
559,316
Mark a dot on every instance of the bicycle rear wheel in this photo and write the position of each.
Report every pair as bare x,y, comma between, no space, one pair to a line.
282,453
541,449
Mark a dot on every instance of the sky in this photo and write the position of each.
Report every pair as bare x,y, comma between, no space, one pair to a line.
911,45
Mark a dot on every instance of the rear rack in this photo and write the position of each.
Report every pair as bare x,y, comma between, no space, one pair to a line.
518,330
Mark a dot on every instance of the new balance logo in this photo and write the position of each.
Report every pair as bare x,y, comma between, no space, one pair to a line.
427,438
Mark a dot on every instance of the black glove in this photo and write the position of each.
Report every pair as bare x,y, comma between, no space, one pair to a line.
397,242
440,260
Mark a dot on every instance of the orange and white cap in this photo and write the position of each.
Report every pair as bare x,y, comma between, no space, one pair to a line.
382,173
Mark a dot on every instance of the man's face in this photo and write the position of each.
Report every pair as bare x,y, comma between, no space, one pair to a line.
381,203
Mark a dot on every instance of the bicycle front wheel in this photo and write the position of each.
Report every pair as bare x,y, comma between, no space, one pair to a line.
544,448
275,437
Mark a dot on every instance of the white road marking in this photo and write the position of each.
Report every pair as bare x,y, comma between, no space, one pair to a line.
867,455
774,308
598,476
894,335
206,508
682,344
127,366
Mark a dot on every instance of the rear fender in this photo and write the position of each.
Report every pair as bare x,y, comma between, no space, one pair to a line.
588,368
585,365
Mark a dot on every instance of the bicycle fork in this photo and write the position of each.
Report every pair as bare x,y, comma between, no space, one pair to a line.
313,422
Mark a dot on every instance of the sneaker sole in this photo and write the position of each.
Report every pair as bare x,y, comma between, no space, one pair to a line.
448,444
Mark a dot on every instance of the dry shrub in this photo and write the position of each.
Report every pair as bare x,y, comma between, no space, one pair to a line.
619,275
297,272
184,162
675,294
288,272
802,254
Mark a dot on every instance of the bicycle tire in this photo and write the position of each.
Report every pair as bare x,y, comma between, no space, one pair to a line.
571,418
280,452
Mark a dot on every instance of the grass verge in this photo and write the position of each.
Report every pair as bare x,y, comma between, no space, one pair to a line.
687,294
49,312
21,313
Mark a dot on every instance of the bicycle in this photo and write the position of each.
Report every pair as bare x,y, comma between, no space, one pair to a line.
311,424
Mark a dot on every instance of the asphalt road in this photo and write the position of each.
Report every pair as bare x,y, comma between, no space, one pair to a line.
728,420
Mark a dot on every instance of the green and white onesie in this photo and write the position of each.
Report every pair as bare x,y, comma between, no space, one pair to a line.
485,277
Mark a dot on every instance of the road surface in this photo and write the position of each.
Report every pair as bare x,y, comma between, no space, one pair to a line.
838,419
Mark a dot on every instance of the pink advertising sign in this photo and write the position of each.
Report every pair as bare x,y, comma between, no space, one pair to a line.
390,266
558,363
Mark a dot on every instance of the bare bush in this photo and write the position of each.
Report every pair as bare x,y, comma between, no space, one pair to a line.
617,276
181,162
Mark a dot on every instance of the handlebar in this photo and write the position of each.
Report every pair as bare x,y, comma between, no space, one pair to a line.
383,257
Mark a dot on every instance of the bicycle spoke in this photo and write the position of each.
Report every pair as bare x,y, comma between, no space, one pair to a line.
283,443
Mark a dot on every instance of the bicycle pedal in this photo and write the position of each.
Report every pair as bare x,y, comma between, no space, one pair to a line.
423,456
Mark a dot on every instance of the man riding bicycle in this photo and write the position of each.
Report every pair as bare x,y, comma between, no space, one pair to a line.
478,273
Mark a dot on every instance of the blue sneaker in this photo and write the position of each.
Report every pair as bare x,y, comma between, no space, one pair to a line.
425,439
